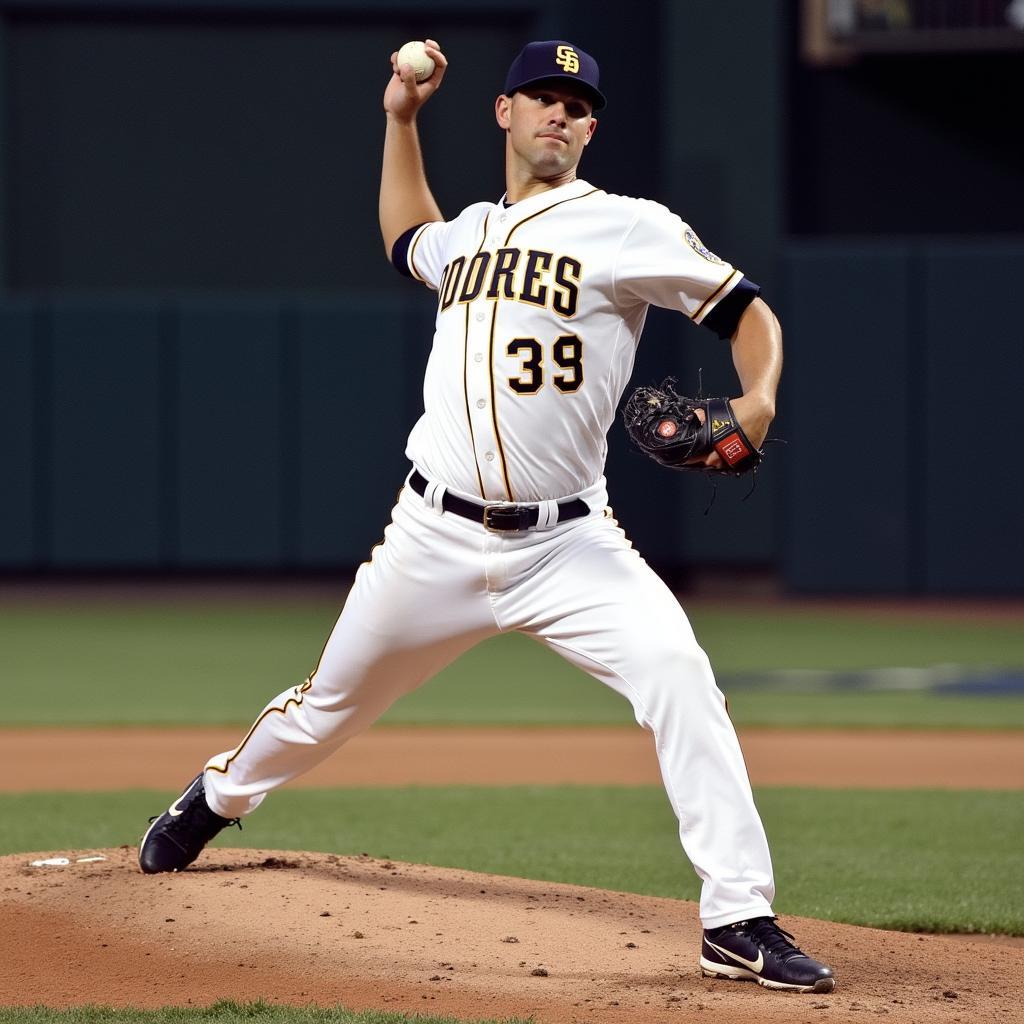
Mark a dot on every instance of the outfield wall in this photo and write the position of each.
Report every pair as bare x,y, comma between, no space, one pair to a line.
206,362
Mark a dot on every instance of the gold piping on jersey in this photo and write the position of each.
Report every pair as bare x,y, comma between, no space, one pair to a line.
494,317
494,405
300,696
300,692
465,394
714,295
465,372
515,227
412,252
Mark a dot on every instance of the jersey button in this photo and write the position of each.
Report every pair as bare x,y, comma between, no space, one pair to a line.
480,403
480,316
479,357
489,456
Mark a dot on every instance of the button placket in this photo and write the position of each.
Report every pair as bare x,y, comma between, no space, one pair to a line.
478,394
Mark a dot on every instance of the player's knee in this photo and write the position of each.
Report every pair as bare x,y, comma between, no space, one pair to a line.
671,660
673,676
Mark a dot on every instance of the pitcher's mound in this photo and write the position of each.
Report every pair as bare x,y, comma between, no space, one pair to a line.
305,928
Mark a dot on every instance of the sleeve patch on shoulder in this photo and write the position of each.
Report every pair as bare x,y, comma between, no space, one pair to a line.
700,248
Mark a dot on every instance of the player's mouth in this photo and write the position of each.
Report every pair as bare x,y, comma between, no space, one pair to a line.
553,135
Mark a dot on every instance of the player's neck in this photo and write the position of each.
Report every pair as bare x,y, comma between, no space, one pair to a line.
519,186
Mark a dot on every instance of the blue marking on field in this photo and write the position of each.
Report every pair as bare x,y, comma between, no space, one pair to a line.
1000,684
940,680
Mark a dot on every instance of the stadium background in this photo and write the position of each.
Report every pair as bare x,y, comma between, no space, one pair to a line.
208,364
208,370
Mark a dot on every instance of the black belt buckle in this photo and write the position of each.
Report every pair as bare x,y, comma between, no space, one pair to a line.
506,518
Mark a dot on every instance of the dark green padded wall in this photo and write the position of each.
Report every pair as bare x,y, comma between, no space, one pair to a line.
229,435
214,152
206,362
973,371
905,361
104,470
352,414
20,449
849,465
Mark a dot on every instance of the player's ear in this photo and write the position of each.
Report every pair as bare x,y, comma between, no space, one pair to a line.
591,128
503,112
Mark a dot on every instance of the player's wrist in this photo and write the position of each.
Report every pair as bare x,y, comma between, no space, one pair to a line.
406,119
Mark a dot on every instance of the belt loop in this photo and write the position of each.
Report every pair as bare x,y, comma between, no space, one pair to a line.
547,514
433,497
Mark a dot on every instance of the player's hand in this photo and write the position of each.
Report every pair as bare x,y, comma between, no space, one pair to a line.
404,96
755,415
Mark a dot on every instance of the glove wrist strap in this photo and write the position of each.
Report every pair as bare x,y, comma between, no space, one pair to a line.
728,438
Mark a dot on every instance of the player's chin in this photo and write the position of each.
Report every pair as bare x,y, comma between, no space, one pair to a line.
554,161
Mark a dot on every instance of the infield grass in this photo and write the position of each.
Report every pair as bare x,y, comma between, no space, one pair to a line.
225,1012
161,661
916,860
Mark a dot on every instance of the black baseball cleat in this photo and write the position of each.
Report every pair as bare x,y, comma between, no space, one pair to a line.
759,950
175,838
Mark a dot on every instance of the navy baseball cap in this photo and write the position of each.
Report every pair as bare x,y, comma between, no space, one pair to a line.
553,59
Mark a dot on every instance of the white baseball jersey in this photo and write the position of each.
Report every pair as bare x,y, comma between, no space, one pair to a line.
540,309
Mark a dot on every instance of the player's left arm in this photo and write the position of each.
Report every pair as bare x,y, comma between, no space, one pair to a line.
757,356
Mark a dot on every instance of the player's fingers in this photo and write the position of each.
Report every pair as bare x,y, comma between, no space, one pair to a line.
440,66
435,78
433,51
408,77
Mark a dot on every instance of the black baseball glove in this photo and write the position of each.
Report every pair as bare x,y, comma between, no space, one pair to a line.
665,426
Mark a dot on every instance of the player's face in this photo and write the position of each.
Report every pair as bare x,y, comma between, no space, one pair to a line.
548,128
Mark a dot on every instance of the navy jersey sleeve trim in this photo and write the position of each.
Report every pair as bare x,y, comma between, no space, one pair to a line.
725,317
400,250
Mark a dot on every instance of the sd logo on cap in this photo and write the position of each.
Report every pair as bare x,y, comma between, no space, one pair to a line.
555,59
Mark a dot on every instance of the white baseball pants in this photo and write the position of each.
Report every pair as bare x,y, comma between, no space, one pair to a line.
440,584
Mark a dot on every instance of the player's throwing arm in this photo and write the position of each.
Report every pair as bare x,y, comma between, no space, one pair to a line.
405,197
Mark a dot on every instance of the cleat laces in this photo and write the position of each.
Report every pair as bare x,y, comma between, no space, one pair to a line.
775,940
198,816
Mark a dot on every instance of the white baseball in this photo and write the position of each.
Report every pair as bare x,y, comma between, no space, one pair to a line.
415,53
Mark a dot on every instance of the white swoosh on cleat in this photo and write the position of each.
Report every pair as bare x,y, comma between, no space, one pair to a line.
754,965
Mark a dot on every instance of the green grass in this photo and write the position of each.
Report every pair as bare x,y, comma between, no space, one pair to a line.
224,1012
907,859
173,662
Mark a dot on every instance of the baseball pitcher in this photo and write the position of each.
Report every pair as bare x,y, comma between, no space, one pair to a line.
503,523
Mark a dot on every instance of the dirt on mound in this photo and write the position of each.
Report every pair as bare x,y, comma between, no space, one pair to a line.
304,928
